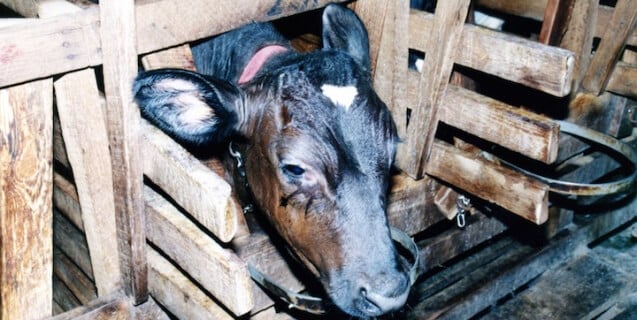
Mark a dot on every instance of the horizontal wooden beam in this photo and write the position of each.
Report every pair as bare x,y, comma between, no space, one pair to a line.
204,194
508,189
542,67
73,41
623,80
410,206
517,129
218,270
177,293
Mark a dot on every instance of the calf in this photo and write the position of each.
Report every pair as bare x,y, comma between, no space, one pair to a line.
318,145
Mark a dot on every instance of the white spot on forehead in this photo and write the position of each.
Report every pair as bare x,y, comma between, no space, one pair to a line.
176,85
340,96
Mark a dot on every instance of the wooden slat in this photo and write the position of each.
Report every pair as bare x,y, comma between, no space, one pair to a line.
117,31
605,14
196,188
72,242
177,293
538,66
77,43
150,310
410,205
108,308
578,37
508,189
86,139
623,80
529,9
63,296
613,41
520,130
217,270
178,57
443,40
26,189
74,279
66,200
375,14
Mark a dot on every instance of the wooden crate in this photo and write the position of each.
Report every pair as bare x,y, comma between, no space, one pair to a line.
121,247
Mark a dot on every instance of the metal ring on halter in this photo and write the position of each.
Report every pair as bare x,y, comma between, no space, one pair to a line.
315,305
590,189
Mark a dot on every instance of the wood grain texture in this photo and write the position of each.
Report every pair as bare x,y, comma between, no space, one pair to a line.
117,31
513,191
516,129
410,205
87,146
177,293
529,9
72,242
26,189
605,14
178,57
578,38
76,42
66,200
204,194
623,80
80,284
443,39
535,65
218,270
150,310
375,15
617,32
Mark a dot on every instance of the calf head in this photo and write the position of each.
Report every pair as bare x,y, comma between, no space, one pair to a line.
318,148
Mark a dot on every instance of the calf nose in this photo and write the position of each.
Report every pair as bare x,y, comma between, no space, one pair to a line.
384,293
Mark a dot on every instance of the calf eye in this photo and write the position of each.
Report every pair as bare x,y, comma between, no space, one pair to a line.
292,170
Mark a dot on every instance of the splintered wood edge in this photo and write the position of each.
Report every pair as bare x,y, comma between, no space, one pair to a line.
508,189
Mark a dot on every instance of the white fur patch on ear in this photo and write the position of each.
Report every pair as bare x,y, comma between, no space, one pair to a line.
340,96
193,110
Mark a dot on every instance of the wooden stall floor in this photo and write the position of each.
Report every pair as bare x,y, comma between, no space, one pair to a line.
586,272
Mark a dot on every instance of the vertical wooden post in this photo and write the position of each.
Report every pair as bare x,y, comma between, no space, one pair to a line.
84,131
444,42
26,186
120,68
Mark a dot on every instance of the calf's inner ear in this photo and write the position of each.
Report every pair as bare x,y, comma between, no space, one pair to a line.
188,106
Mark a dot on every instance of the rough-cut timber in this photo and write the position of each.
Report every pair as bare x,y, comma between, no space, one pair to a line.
26,188
619,29
117,31
70,240
82,286
86,139
511,190
218,270
545,68
177,293
104,308
204,194
77,43
443,41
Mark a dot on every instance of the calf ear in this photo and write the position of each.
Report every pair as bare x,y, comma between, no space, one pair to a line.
188,106
343,30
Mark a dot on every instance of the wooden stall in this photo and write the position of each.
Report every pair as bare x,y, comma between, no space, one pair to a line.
101,214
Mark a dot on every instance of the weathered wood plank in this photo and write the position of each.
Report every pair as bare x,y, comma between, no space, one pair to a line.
375,15
150,310
108,308
410,204
613,41
528,9
177,294
556,16
66,200
86,140
578,37
623,80
63,296
77,43
545,68
188,181
117,31
511,190
435,251
605,14
59,149
178,57
218,270
517,129
443,41
80,284
26,188
72,242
